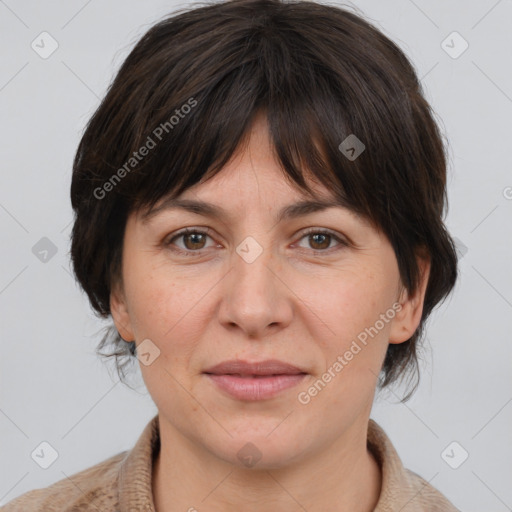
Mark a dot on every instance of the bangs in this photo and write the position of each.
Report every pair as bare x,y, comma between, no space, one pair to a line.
310,107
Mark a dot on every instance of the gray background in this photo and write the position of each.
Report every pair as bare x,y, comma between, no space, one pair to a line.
55,389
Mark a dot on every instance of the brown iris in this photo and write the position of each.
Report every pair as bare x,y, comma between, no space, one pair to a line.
196,240
325,237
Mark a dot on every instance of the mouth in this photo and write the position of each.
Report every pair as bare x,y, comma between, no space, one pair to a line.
254,381
268,367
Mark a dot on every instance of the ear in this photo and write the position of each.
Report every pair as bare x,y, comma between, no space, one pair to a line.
408,318
120,314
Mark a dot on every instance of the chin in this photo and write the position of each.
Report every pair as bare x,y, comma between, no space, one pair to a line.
261,448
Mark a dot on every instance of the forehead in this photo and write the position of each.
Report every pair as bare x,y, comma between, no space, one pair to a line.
229,204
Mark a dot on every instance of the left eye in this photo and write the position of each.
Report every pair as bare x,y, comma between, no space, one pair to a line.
322,239
195,239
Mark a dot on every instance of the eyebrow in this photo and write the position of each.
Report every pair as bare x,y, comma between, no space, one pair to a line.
291,211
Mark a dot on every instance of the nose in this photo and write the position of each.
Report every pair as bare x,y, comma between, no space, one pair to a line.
255,296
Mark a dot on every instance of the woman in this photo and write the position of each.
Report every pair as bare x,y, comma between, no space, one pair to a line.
259,207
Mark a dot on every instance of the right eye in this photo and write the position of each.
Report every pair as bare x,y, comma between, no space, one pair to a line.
193,239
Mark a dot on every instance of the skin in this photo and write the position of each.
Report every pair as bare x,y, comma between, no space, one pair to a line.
303,301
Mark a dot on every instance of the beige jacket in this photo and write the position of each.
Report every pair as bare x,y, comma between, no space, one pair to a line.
122,483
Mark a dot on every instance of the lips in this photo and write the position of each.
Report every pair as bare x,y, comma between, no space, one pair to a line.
261,380
257,369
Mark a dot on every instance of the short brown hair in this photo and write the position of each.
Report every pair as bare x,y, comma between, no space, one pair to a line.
320,73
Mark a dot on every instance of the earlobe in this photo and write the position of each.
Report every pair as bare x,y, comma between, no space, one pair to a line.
408,317
120,315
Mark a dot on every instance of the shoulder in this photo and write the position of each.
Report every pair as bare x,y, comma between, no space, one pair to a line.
424,496
94,488
402,489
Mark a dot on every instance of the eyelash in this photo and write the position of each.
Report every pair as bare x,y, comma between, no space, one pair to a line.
207,231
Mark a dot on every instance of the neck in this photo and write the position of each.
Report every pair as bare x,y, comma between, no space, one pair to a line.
344,477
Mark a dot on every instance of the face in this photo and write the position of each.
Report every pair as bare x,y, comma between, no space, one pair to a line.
319,291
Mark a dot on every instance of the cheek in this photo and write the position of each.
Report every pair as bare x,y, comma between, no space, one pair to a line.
159,303
347,305
350,309
167,312
351,347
